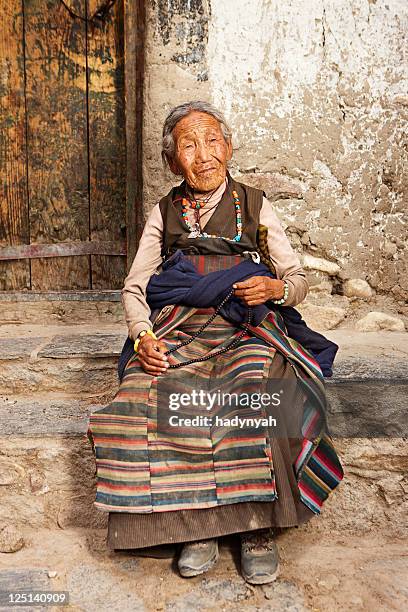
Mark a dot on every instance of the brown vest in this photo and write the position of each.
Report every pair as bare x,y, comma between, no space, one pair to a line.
221,223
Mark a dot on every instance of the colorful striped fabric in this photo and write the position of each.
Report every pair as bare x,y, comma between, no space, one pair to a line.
144,465
318,472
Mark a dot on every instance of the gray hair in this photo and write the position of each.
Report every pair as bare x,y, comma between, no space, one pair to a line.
181,111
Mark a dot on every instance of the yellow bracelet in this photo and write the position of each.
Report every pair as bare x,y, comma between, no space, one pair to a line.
147,332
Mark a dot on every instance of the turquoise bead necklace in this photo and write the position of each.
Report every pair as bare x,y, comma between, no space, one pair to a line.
196,205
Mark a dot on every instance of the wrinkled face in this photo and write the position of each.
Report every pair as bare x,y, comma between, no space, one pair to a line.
201,153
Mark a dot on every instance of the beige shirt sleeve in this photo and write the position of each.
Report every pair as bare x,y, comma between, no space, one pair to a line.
284,258
147,260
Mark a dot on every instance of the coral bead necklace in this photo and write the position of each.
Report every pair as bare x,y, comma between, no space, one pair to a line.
196,206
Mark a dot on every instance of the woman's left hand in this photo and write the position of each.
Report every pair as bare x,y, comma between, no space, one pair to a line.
259,289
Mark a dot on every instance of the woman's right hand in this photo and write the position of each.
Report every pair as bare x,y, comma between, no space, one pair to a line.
151,355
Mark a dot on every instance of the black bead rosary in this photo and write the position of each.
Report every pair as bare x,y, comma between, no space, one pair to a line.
226,348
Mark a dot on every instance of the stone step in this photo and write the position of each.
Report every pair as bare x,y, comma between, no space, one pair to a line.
79,359
60,308
47,469
83,359
356,408
368,392
370,355
49,481
46,417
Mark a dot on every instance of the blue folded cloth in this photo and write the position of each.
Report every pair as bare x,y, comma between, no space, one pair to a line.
180,283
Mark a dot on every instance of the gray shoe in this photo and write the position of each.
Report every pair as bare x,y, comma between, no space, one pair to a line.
259,557
198,557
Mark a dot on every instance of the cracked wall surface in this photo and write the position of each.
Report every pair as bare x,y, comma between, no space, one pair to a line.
317,96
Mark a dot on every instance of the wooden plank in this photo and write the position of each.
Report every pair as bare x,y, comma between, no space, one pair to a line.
106,140
14,227
135,24
63,249
57,138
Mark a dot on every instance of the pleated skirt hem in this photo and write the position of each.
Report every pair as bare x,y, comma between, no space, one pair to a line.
128,531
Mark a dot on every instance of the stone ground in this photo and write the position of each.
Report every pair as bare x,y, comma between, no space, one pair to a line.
331,572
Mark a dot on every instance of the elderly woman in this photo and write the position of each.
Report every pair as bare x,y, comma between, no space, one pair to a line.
203,313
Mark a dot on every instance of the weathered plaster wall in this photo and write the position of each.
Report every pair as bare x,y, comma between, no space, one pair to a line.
317,95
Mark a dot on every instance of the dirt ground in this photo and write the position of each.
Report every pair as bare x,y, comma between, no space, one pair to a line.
328,572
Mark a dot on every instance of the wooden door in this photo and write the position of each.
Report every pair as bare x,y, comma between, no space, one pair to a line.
62,145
